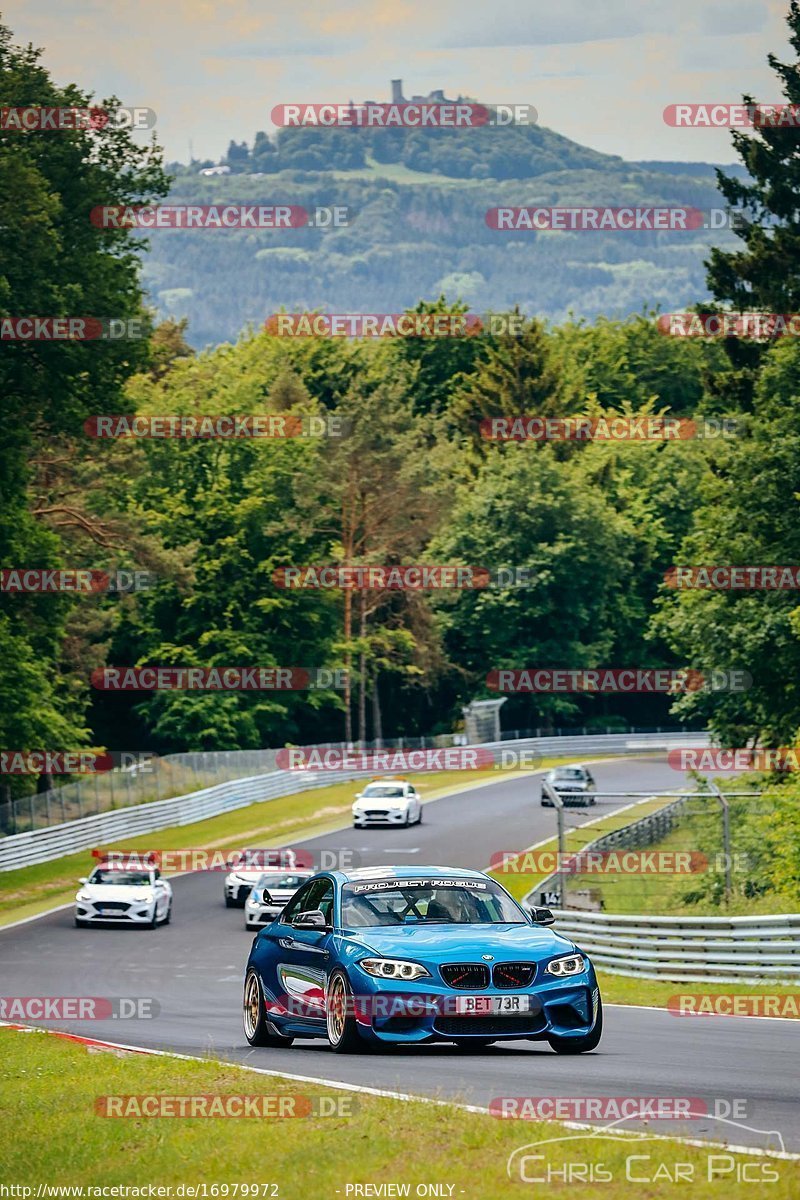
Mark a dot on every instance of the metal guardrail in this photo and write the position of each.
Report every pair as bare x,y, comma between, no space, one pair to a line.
632,742
43,845
687,949
53,841
144,778
644,832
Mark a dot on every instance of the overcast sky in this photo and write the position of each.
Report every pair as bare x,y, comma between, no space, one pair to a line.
599,71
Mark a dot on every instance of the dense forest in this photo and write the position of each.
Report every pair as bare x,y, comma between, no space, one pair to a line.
598,525
417,202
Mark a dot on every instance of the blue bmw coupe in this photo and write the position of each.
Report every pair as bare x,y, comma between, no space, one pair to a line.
416,954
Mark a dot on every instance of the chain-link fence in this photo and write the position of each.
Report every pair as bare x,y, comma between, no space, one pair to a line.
150,777
705,849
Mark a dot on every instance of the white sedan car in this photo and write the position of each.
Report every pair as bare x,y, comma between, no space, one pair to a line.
124,896
387,802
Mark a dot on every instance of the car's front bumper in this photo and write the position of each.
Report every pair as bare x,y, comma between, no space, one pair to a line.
570,799
419,1013
379,816
261,916
117,912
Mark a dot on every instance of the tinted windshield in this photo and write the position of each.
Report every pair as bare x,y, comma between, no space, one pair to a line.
428,902
570,773
282,882
122,878
383,789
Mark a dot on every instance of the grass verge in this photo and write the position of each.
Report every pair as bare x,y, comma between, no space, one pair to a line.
701,891
520,875
625,989
52,1134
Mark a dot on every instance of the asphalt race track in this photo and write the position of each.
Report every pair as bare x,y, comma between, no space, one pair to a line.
193,968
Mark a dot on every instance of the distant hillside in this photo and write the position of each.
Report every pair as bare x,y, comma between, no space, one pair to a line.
419,201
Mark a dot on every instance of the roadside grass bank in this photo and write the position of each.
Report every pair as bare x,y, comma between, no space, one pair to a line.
657,993
53,1134
764,860
519,874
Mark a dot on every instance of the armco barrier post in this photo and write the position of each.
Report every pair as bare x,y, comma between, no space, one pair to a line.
726,836
558,804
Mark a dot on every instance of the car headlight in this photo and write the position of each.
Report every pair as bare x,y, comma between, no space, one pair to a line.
570,964
84,896
393,968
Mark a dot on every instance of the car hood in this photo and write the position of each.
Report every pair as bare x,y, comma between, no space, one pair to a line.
569,785
443,943
382,801
115,891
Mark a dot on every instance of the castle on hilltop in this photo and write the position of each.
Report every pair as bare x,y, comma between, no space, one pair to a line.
435,97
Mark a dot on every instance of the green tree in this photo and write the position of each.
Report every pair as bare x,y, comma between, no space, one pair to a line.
765,273
55,262
748,515
526,509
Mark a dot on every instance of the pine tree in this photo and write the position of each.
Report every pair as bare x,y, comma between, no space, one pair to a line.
765,274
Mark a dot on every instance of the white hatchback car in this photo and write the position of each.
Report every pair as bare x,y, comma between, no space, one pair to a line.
387,802
271,894
125,896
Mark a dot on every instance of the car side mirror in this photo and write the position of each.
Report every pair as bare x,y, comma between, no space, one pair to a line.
541,916
359,795
83,879
313,919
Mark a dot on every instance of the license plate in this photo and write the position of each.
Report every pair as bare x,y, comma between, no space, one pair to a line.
486,1006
